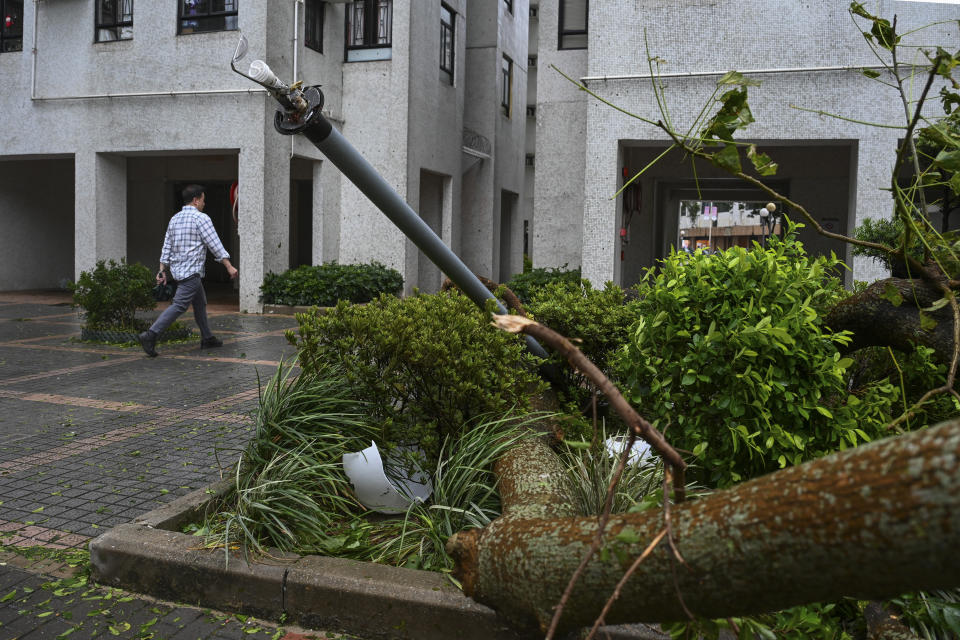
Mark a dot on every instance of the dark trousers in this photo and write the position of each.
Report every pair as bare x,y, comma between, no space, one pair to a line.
189,292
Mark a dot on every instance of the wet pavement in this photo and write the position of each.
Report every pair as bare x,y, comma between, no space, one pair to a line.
92,436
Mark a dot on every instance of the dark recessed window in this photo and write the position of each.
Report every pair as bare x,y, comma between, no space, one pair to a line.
506,93
447,17
369,30
11,31
198,16
509,5
573,24
114,20
313,30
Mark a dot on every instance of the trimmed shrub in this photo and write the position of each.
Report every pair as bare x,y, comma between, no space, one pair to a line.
426,365
597,320
527,283
112,293
325,285
732,359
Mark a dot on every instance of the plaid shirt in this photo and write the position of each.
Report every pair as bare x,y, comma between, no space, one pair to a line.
189,235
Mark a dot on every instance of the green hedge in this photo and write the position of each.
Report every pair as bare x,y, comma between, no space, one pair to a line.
325,285
426,365
526,284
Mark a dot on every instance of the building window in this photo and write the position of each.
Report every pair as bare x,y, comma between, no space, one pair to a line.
11,32
313,30
198,16
369,29
446,42
506,94
573,24
509,5
114,20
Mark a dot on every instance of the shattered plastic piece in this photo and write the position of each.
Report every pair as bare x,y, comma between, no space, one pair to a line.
616,444
380,492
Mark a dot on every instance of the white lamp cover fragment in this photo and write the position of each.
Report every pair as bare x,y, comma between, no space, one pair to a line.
616,444
375,490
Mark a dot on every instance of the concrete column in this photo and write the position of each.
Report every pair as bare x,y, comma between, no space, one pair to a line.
318,211
872,196
264,176
600,240
100,193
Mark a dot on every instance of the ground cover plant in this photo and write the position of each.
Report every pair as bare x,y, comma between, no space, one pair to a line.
109,297
111,294
326,284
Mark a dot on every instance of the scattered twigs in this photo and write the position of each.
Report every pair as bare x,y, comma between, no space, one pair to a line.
638,426
626,576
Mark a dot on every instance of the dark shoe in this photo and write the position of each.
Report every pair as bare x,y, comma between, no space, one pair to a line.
148,340
211,342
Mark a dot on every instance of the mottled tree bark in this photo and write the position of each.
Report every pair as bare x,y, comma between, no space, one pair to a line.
871,522
875,321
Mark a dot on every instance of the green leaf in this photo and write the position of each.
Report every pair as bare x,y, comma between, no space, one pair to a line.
949,160
891,295
824,412
938,304
736,78
871,73
628,536
10,596
927,323
728,158
761,161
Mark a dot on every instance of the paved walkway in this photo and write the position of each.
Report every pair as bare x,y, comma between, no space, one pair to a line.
92,436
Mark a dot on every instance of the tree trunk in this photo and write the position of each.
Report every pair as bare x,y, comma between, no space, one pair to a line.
875,321
871,522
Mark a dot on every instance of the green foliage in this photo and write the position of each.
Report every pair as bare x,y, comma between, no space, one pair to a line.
730,353
327,284
821,621
932,616
290,488
527,283
597,320
464,497
112,293
426,365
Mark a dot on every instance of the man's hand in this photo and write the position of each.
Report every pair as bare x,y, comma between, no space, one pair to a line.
161,277
232,271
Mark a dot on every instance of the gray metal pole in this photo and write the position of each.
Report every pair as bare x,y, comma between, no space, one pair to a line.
361,173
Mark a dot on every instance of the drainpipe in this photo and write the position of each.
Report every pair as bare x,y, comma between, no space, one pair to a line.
33,71
296,51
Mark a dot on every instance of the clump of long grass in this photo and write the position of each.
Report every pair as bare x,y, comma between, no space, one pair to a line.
290,490
591,467
464,496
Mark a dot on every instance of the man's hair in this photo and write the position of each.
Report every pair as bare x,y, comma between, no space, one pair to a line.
192,191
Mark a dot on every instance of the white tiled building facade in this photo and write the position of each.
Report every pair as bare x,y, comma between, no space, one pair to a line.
806,53
111,106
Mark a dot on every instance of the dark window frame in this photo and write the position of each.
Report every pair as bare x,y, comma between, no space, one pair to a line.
564,33
371,37
208,16
115,25
509,4
448,42
314,17
10,40
506,91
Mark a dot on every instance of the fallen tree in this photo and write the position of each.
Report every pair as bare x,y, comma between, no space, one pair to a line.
870,522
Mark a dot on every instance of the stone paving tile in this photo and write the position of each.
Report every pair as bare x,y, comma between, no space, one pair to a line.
92,436
13,311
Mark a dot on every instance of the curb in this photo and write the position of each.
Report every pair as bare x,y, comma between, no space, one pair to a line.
150,556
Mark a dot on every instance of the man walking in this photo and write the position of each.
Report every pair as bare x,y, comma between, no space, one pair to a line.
189,235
